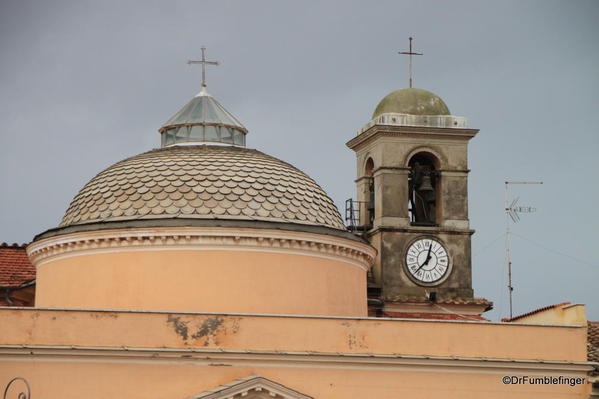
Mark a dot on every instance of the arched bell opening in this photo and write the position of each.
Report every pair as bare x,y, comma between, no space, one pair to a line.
423,189
370,196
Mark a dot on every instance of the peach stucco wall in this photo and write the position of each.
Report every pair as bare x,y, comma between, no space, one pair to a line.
144,380
204,281
94,354
563,314
294,334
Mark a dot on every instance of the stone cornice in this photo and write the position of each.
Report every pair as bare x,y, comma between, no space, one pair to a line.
411,131
201,238
422,230
192,222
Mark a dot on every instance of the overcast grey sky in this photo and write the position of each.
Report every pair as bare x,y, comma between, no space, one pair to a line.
85,84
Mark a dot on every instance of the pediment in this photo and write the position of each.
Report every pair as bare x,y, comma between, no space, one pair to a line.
251,387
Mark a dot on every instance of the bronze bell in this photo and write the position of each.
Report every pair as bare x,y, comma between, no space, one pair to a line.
426,184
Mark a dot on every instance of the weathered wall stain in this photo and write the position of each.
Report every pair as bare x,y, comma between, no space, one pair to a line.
29,331
180,326
208,329
103,315
356,339
205,330
234,326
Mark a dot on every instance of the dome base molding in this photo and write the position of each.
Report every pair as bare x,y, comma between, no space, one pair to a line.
201,239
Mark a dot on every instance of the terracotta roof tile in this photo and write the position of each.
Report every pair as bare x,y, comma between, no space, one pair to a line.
15,268
15,302
508,319
442,301
435,316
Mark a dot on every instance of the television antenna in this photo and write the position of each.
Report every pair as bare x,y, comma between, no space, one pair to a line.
512,211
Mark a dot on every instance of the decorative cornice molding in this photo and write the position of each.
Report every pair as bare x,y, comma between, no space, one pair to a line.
252,358
421,230
410,131
199,239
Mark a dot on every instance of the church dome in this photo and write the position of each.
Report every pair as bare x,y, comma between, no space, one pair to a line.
203,182
413,102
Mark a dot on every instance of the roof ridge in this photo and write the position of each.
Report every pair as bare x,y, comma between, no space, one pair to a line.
13,245
508,319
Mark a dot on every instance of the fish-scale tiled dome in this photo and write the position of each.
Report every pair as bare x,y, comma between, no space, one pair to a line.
203,181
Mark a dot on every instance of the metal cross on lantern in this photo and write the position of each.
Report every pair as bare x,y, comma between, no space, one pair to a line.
203,62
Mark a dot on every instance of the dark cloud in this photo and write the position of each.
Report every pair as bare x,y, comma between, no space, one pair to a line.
85,84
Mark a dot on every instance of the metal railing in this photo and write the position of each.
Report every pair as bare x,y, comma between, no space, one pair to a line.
394,119
352,215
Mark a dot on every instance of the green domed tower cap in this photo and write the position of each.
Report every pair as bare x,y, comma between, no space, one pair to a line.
413,102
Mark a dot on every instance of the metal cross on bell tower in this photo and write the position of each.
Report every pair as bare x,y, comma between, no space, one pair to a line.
203,62
410,54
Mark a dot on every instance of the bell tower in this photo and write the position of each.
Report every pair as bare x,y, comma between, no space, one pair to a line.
412,186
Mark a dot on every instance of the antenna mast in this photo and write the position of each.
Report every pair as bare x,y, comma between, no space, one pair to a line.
511,212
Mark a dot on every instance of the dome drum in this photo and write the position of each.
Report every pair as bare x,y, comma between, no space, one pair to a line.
206,132
224,269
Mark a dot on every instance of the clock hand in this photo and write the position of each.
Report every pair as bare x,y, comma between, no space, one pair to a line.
428,258
428,255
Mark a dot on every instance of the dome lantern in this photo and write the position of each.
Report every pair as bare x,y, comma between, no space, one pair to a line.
203,119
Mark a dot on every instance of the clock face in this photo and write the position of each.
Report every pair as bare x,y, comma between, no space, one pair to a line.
427,260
